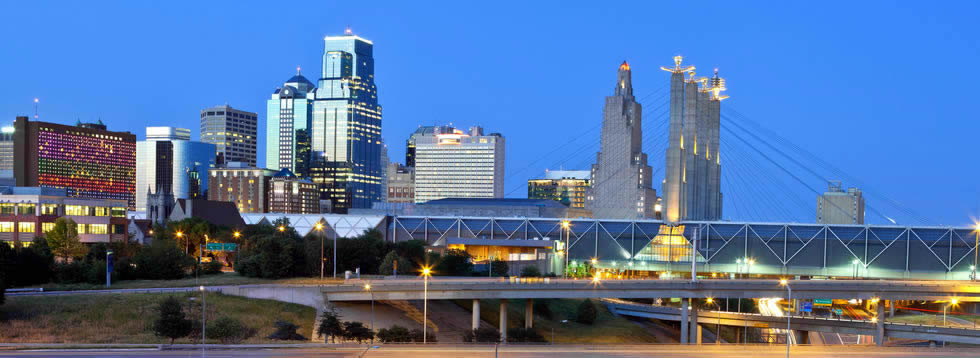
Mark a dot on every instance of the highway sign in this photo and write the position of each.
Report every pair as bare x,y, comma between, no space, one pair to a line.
230,246
823,302
807,307
219,246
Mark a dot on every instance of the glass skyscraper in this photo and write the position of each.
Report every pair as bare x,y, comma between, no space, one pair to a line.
171,163
345,131
287,125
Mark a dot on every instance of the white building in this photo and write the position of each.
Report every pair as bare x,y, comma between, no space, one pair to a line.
451,163
169,161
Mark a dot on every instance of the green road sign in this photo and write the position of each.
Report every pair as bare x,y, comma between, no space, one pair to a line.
230,246
215,246
823,302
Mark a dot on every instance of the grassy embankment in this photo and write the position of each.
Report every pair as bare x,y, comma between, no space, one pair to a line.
220,279
128,318
607,328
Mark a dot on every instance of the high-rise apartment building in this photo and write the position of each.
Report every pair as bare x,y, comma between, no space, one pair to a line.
565,186
836,206
247,187
692,185
289,194
621,177
287,131
401,183
85,159
451,163
172,163
410,143
233,133
346,128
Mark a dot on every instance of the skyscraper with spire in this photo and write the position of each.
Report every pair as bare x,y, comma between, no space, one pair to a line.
289,113
621,177
692,185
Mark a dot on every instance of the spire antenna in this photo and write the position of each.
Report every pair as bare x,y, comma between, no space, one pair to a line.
35,108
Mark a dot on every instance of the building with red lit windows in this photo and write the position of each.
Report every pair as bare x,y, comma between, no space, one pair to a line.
86,160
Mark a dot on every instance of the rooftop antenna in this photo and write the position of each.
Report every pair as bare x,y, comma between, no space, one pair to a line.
35,108
348,31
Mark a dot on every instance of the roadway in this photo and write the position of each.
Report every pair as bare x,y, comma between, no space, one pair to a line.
520,351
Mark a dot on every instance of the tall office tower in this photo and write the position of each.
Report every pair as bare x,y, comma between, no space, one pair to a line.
692,185
289,114
346,127
7,156
410,143
454,164
837,206
233,133
86,159
565,186
621,176
171,163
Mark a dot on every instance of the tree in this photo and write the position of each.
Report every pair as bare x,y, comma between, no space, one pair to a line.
355,331
330,326
530,271
172,323
586,312
229,330
3,292
388,265
286,331
162,260
455,262
63,239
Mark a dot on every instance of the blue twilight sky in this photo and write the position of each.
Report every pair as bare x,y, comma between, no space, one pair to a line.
882,90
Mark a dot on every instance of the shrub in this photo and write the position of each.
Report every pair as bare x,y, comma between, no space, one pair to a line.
355,331
25,266
499,268
586,312
3,292
276,255
455,262
74,272
229,331
286,331
95,273
542,309
212,267
395,334
530,271
172,323
482,335
521,334
162,260
417,336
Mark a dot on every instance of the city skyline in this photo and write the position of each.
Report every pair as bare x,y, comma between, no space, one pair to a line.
856,121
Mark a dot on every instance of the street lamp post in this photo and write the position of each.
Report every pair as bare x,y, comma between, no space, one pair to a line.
789,291
738,268
748,267
425,302
976,241
319,228
368,288
718,315
564,225
335,255
855,262
204,319
952,302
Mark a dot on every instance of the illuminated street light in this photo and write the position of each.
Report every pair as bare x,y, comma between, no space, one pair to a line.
426,272
237,234
952,302
367,287
789,291
319,229
282,228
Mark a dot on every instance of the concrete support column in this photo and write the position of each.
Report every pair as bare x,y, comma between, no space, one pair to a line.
695,327
503,321
684,321
529,314
476,314
802,337
891,308
880,325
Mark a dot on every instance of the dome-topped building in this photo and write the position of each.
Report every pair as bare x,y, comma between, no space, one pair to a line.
289,116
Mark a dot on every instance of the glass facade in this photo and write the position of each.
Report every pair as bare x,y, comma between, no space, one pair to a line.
287,126
346,127
173,165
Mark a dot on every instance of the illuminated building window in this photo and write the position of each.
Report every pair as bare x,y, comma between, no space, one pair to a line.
6,226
